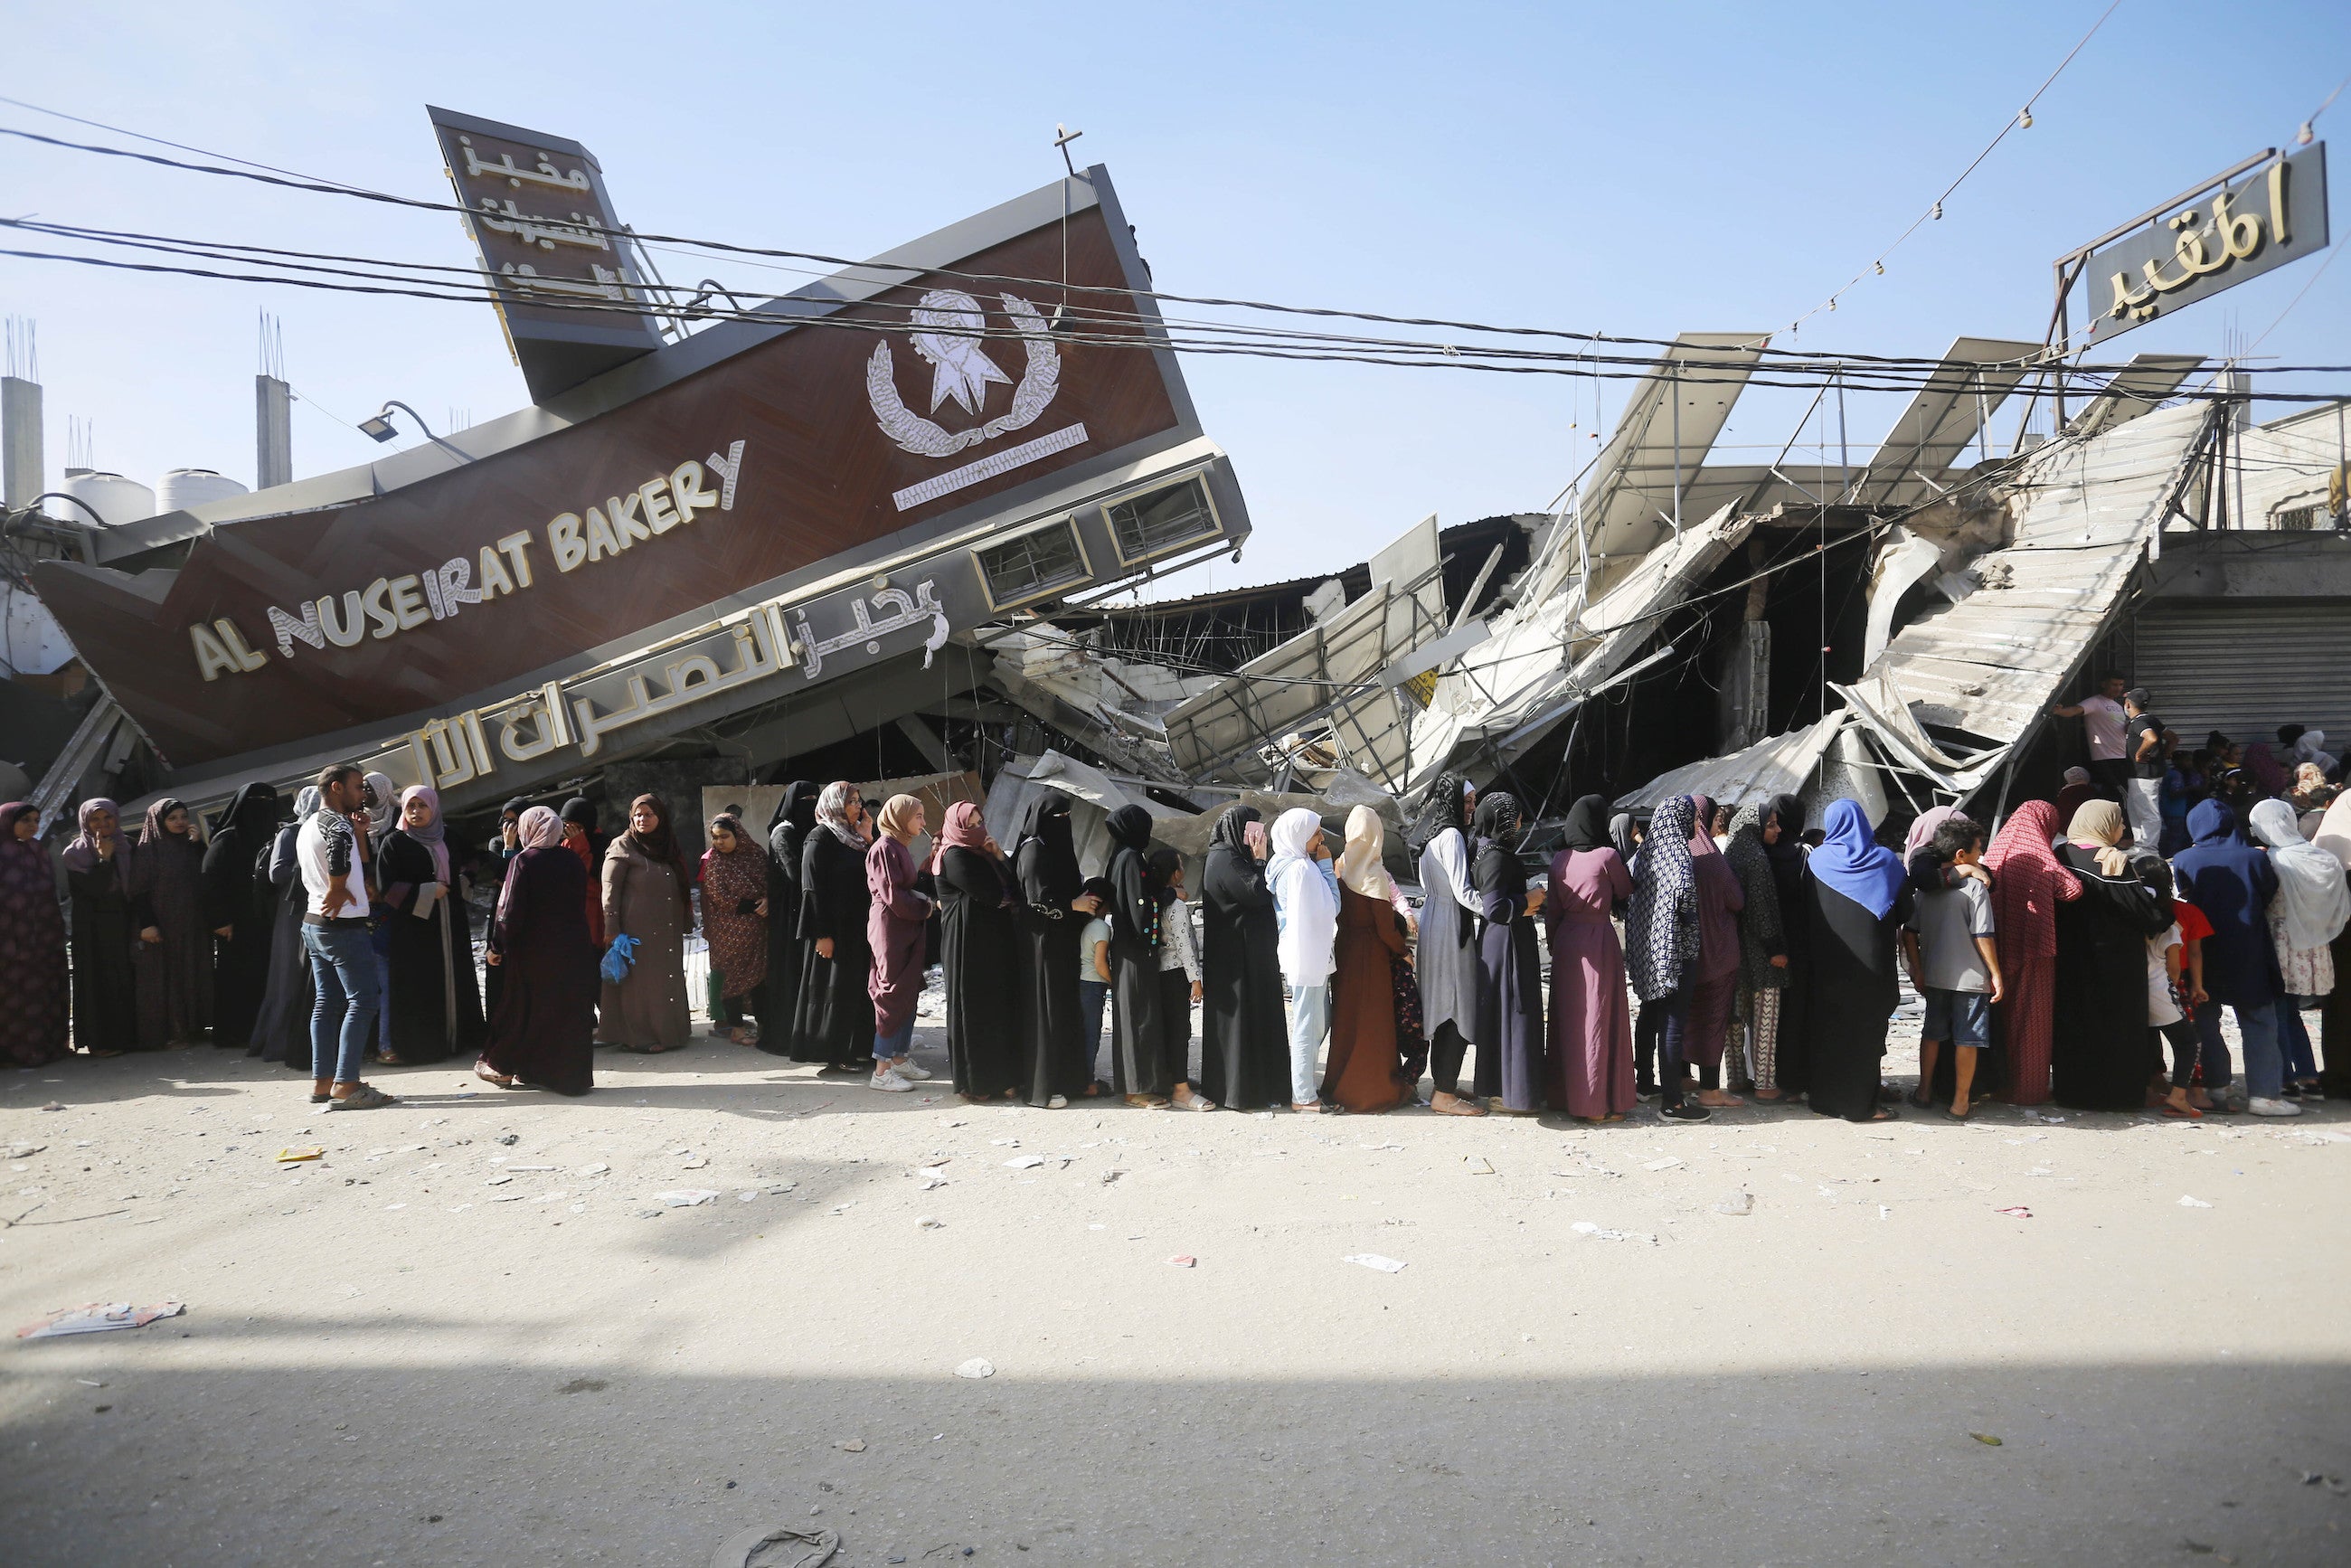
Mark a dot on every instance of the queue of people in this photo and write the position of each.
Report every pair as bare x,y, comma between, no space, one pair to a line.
2082,953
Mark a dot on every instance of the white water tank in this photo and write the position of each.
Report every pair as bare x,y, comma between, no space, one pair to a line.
184,487
115,499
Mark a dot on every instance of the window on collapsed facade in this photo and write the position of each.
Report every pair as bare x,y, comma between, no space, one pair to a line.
1030,565
1157,521
2300,518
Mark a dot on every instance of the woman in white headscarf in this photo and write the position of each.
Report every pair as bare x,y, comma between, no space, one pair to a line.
2310,911
2334,837
1306,901
434,1002
1366,1072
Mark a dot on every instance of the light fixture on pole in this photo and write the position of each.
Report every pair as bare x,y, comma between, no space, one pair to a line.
380,428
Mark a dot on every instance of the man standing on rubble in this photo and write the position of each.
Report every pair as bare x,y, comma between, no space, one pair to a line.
2102,718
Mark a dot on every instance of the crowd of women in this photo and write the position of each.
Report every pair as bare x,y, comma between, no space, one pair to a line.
2056,959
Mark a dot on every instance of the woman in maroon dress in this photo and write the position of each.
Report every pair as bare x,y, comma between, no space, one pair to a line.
1589,1070
735,918
544,1030
1364,1070
33,1026
1719,900
894,931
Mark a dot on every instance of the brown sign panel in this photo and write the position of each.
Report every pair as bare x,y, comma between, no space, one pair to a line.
871,420
544,226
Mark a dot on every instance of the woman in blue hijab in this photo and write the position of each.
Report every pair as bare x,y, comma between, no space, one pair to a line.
1854,900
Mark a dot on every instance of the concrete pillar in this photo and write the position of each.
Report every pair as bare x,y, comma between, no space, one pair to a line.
21,471
273,433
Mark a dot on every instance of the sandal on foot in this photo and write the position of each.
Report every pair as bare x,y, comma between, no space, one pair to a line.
486,1076
364,1097
2183,1113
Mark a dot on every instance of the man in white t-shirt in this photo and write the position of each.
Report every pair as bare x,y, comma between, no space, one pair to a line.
331,852
2103,717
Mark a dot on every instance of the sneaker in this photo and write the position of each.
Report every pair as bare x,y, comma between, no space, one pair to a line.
889,1082
910,1072
2273,1108
1686,1112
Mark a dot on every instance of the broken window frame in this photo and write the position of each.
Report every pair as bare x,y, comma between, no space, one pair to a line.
1042,587
1198,481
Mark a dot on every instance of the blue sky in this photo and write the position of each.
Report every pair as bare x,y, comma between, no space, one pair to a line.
1640,171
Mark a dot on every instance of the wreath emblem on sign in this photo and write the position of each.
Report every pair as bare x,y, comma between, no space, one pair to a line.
946,334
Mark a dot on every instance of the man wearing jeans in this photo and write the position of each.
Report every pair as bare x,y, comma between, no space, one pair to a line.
332,853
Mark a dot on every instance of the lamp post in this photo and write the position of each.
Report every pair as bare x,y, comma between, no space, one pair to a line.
380,428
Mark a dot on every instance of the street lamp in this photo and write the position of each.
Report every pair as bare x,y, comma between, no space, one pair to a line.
380,428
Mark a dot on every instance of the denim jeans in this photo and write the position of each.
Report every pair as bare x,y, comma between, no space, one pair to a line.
2293,1043
1310,1020
2264,1067
1092,996
1673,1023
890,1047
343,1018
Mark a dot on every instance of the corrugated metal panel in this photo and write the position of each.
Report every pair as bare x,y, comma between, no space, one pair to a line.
2246,668
1777,765
1990,665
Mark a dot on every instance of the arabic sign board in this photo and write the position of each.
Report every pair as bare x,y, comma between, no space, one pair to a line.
2273,215
544,226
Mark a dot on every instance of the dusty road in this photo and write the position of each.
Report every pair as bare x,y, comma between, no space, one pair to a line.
438,1347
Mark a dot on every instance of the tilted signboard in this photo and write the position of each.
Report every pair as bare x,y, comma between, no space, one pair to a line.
2273,215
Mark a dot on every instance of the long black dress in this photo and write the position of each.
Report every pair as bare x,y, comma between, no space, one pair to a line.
1244,1029
544,1031
1055,1056
237,893
105,989
1787,856
981,951
835,1020
786,952
1852,985
433,1003
2098,1051
1512,1046
282,1032
1141,1063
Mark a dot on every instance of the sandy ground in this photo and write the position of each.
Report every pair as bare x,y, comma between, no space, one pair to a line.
438,1347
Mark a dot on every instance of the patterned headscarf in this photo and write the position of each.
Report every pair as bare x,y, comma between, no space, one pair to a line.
832,815
153,831
1661,930
305,804
1442,806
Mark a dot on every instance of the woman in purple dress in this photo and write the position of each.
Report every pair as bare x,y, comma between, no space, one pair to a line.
1719,900
543,1032
1589,1072
894,928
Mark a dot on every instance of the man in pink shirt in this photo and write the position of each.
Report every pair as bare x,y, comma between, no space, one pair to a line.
2103,718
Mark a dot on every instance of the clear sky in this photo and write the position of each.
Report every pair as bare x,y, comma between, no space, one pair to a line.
1636,170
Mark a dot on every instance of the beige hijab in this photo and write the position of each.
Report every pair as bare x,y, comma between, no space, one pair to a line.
2098,825
1359,865
898,814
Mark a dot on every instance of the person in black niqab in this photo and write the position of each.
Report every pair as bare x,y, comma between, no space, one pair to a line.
1055,1056
1446,961
787,832
1244,1021
239,904
1512,1047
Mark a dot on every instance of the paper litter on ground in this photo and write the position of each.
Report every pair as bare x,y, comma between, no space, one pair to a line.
98,1317
1374,1260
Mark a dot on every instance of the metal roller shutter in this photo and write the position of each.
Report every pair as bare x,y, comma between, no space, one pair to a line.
2245,668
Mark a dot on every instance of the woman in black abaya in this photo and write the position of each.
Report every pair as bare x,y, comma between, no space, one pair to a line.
433,1002
835,1021
239,903
787,833
1055,1056
1244,1021
979,952
1855,899
1511,1059
2099,1059
1146,1069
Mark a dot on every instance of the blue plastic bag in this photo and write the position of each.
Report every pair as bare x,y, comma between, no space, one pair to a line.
617,957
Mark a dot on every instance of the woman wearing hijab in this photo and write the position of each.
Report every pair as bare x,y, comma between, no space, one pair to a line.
543,1034
2308,914
1144,1066
2100,1057
1244,1036
894,932
1856,898
734,911
34,1024
1786,851
2269,776
787,832
1662,946
173,953
2078,791
282,1031
1511,1070
381,802
1055,1051
434,1003
1762,938
1719,902
105,986
979,954
2334,838
1446,965
1589,1064
835,1022
648,898
2028,884
1306,907
2232,883
1364,1072
238,902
